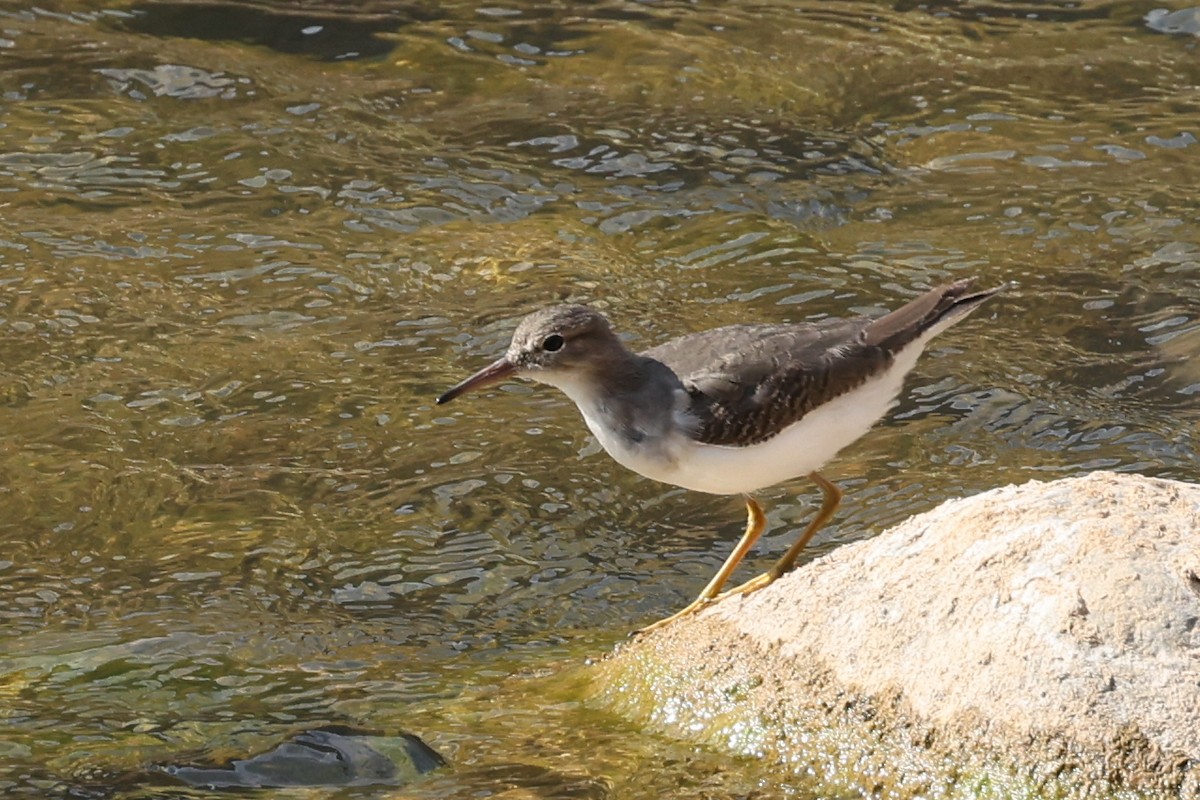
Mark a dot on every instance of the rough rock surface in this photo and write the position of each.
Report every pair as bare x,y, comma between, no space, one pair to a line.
1036,641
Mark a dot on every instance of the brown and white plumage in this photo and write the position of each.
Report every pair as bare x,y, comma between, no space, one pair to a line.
735,409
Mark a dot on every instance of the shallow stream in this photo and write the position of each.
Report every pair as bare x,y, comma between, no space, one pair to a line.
243,245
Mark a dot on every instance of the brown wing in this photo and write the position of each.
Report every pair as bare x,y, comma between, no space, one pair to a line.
749,382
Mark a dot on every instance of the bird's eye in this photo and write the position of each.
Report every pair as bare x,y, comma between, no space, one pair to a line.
553,343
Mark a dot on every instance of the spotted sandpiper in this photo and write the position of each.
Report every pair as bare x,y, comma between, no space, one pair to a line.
731,410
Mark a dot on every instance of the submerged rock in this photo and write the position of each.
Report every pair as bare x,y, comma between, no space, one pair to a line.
1032,641
333,755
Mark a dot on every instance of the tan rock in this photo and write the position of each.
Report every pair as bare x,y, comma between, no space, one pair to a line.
1035,640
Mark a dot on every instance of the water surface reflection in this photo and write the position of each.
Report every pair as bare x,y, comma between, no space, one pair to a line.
244,246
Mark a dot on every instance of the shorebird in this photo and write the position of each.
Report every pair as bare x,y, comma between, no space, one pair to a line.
731,410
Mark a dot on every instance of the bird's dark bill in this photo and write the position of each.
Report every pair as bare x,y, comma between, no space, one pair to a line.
493,373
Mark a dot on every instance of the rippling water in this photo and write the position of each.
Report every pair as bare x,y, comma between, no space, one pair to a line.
244,244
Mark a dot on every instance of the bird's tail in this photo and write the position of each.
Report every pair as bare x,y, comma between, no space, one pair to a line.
928,315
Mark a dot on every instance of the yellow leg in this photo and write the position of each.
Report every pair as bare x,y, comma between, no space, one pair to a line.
756,521
830,503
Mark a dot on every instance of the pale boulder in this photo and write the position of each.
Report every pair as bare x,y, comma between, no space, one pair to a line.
1035,640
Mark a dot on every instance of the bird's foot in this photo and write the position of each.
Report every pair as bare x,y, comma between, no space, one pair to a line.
753,585
702,602
690,608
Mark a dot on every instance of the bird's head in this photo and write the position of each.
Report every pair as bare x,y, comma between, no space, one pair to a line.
552,346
